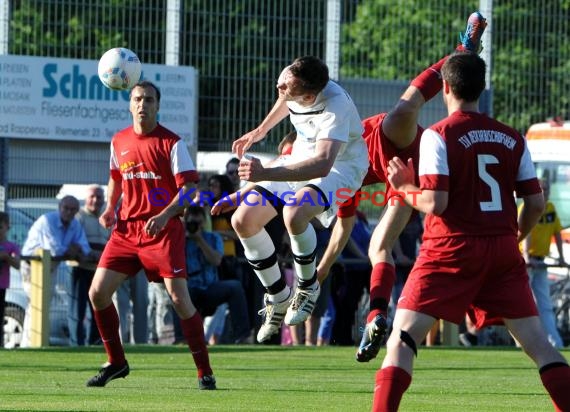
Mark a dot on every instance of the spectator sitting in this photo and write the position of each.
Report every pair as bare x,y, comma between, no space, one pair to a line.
203,256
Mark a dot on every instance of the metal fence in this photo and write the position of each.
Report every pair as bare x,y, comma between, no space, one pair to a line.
373,47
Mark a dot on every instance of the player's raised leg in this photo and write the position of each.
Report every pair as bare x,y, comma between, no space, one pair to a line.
400,125
392,222
470,39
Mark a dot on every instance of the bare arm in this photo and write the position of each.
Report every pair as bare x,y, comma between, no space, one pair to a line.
532,209
175,208
317,166
525,245
233,200
277,113
338,240
114,192
558,240
11,259
401,177
14,261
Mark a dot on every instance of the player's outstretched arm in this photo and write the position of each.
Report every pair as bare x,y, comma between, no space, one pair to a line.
277,113
338,240
532,209
401,177
319,165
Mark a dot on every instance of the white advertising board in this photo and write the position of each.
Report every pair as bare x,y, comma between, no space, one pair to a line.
63,99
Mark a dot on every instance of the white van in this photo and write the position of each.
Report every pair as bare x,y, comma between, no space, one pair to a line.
549,146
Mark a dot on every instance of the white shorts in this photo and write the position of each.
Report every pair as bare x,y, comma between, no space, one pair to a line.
338,186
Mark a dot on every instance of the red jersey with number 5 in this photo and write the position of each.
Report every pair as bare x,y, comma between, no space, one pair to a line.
481,163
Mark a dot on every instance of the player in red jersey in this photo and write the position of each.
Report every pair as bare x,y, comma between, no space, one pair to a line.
153,172
395,133
469,167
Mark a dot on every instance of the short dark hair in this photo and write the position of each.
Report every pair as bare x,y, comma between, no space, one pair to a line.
194,210
289,138
312,73
226,185
233,160
145,84
465,74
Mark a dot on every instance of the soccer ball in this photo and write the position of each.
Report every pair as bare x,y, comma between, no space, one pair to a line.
119,69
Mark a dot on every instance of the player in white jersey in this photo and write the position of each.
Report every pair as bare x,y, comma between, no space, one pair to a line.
329,155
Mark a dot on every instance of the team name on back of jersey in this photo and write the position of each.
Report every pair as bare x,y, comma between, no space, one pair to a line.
487,136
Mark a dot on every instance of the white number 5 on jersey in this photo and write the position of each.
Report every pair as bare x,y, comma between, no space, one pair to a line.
495,203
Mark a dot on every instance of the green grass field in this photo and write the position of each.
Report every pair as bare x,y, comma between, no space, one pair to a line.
267,378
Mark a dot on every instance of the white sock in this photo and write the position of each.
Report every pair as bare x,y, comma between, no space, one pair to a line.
304,244
258,247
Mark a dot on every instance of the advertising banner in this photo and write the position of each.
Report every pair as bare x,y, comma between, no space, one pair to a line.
52,98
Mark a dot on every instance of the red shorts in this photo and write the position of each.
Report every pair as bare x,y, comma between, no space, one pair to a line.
130,249
485,277
381,150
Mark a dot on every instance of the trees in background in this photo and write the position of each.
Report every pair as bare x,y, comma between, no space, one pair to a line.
240,46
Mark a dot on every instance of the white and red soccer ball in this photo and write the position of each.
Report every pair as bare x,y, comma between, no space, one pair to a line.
119,69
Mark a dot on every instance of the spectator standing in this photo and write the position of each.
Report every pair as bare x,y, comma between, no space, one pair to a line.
535,248
152,172
82,274
9,257
61,234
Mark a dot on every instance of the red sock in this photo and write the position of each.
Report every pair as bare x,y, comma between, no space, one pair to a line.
193,331
381,283
556,380
429,81
391,383
461,48
108,324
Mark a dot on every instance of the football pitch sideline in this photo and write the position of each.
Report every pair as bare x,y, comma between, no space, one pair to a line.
267,378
